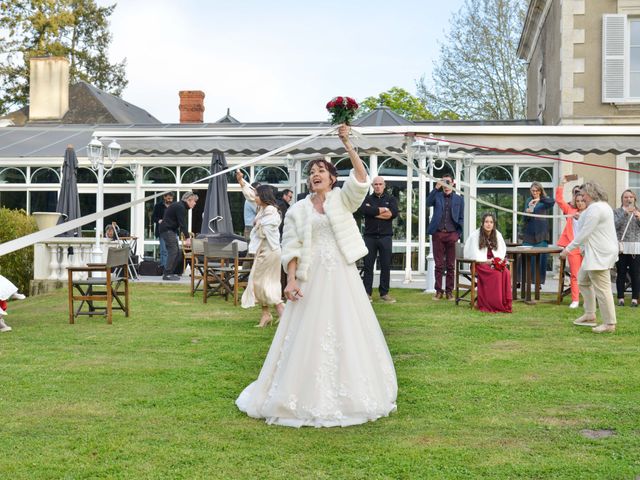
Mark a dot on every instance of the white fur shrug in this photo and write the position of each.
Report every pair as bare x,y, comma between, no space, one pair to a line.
472,250
339,205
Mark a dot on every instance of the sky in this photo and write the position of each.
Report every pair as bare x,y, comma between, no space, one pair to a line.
276,60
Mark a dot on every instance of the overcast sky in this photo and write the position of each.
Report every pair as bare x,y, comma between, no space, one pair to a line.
273,60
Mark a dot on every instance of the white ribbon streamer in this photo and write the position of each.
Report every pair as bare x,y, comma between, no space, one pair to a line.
44,235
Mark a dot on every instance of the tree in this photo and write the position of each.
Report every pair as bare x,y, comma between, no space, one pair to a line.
76,29
478,74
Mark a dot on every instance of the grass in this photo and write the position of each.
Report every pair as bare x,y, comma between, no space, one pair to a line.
152,396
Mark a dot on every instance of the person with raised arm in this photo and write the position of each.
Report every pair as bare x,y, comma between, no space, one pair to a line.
328,364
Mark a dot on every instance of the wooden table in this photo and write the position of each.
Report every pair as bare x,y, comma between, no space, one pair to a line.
522,260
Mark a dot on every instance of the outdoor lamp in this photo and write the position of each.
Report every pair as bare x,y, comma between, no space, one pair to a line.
96,153
443,149
291,162
467,159
419,149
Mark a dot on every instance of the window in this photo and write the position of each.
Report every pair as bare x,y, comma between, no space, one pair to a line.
194,174
160,175
12,175
634,178
45,175
620,59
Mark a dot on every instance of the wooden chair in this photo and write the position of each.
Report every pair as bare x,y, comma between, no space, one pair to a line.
465,277
104,288
466,272
220,267
186,250
197,264
562,274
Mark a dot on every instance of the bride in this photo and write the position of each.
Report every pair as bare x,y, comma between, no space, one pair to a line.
328,364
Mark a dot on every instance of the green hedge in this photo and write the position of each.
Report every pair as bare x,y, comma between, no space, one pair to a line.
17,266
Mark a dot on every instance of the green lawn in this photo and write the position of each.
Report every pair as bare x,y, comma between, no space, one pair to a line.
152,396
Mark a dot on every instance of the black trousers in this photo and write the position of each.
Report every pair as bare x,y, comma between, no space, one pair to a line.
379,247
173,251
631,264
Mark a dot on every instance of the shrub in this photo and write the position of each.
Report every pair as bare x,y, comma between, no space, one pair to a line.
17,266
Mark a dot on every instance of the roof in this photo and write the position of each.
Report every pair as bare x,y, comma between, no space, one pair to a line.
89,105
227,118
188,140
381,116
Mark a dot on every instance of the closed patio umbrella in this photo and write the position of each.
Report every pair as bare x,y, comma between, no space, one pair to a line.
217,199
69,201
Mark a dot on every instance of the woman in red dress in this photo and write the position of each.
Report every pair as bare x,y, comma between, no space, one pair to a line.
486,246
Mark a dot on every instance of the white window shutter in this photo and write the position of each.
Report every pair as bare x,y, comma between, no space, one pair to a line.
613,57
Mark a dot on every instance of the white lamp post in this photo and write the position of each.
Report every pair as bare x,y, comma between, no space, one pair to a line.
97,154
428,152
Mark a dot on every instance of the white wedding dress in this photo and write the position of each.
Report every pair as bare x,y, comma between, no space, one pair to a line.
329,364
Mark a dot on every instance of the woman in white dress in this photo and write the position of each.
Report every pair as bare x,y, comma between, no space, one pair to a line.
329,364
7,291
263,286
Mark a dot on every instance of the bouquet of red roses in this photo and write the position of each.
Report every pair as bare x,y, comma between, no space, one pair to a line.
498,264
342,110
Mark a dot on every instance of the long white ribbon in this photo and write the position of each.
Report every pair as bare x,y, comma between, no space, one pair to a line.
44,235
459,191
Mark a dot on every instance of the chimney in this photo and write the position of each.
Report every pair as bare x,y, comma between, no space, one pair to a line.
191,106
48,88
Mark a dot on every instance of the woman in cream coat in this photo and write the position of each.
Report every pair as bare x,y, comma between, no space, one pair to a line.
263,286
329,364
597,238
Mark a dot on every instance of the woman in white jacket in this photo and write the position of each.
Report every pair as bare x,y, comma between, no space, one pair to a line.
329,364
263,286
486,246
597,238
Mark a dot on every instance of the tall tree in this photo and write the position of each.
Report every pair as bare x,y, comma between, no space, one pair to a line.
478,74
76,29
403,103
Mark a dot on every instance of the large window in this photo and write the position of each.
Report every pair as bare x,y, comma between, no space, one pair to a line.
634,58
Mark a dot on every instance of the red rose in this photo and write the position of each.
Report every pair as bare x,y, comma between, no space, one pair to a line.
339,101
351,103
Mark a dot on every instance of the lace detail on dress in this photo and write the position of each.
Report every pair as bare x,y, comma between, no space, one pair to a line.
323,243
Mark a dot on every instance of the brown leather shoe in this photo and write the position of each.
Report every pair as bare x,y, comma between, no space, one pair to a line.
438,296
449,296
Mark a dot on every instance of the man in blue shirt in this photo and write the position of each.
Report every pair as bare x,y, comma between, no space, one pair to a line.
250,209
445,228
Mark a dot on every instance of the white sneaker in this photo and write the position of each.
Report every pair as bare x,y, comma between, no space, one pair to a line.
585,321
6,328
18,296
574,305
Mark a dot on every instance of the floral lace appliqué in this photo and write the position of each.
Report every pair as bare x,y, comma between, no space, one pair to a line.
323,244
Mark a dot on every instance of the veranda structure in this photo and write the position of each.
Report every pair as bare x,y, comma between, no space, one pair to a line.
174,157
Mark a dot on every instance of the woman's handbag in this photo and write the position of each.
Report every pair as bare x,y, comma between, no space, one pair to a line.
621,242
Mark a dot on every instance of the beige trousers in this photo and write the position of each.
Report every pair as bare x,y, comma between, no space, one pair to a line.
596,284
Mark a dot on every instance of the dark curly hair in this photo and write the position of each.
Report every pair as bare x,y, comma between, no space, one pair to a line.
330,167
491,240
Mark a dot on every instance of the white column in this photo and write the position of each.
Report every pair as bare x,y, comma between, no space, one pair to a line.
408,233
431,265
53,261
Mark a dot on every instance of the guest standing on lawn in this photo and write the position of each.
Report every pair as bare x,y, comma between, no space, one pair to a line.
379,210
158,214
328,364
486,246
536,230
627,220
597,238
445,228
173,223
264,279
572,212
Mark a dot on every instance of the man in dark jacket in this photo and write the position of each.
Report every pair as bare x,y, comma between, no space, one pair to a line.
173,223
158,214
445,229
379,210
283,202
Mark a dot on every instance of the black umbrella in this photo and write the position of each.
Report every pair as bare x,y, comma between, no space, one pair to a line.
216,217
69,201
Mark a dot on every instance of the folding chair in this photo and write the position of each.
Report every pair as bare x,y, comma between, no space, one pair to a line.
465,270
104,288
220,262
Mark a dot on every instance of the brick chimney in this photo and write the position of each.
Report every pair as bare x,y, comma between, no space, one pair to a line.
48,88
191,106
